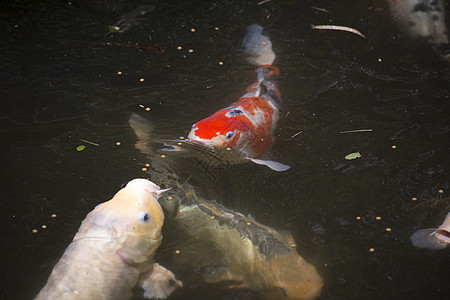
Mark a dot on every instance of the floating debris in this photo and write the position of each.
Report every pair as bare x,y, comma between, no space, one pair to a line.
319,9
113,28
353,155
91,143
262,2
81,148
130,19
294,135
339,28
356,130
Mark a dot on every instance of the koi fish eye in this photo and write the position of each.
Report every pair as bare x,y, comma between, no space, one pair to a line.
234,112
229,134
144,216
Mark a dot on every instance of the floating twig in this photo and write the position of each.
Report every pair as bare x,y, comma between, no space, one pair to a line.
262,2
356,130
88,142
319,9
296,134
337,27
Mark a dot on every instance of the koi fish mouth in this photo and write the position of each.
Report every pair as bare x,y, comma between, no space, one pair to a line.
443,236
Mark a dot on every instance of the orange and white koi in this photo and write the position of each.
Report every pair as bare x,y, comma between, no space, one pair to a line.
247,125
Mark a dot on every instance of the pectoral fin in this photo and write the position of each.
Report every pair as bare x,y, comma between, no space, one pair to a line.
426,238
159,283
217,274
140,125
274,165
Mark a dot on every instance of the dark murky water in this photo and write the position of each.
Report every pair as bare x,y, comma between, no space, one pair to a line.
58,88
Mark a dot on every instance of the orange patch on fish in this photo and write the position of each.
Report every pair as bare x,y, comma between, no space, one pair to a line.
247,124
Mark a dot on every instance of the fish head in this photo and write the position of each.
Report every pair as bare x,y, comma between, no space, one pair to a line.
132,220
296,278
226,128
443,231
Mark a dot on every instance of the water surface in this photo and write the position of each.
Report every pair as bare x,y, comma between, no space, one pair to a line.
58,88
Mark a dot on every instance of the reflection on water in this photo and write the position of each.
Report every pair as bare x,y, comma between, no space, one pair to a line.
54,94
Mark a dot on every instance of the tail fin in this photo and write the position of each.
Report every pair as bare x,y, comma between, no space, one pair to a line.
258,46
140,125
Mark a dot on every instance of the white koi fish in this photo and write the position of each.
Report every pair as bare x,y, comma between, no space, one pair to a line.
114,249
433,238
423,19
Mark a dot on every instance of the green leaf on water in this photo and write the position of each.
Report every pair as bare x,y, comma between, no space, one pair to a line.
353,155
81,147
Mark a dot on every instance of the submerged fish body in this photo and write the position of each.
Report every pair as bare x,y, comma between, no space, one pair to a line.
114,250
425,20
433,238
238,252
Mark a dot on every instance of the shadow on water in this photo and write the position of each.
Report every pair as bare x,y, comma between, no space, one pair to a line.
56,92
